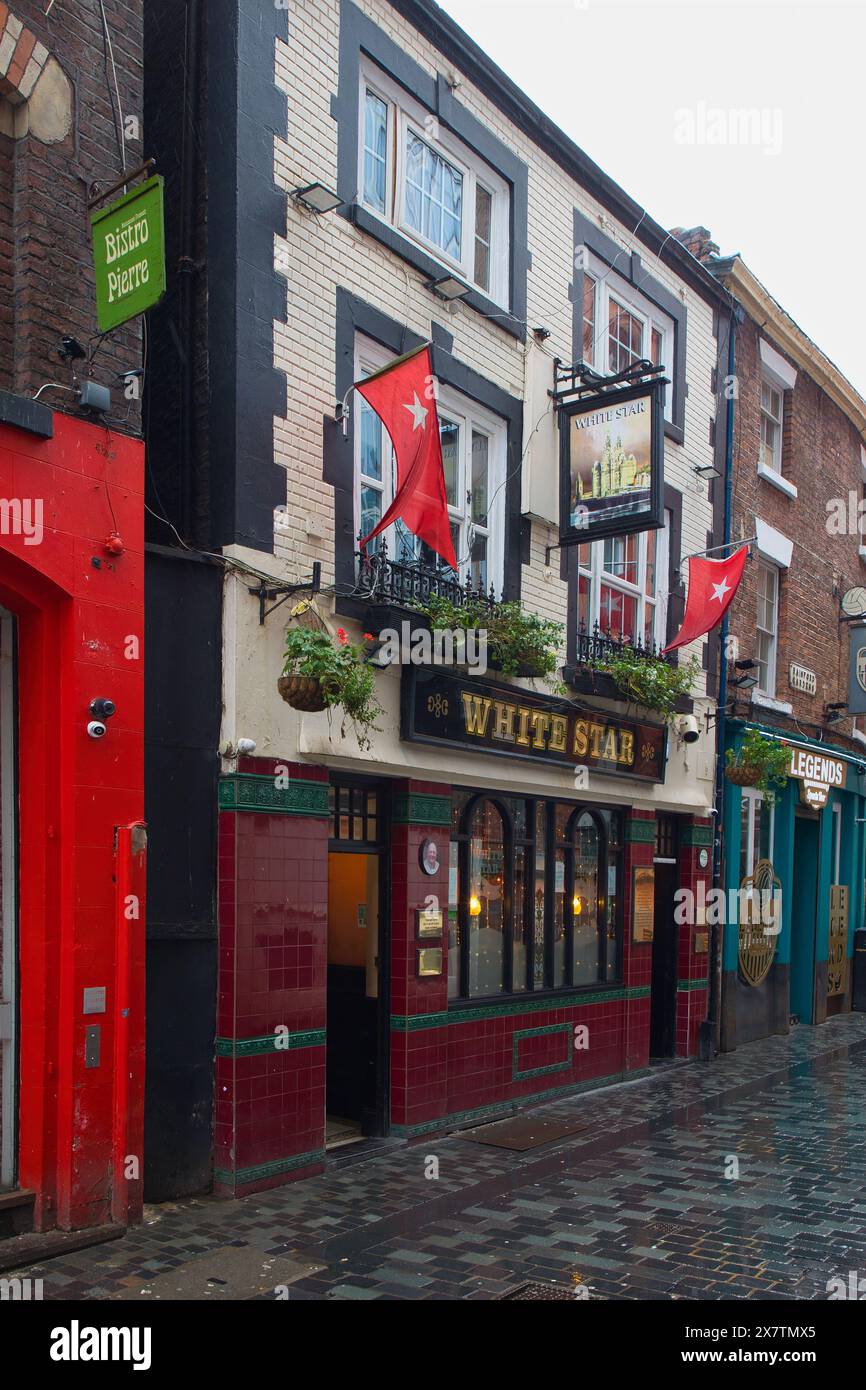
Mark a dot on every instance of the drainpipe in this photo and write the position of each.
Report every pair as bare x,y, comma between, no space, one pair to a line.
711,1027
187,267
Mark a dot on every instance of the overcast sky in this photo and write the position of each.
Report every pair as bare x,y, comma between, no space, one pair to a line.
648,91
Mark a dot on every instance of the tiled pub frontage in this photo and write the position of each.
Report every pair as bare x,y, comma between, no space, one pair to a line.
402,957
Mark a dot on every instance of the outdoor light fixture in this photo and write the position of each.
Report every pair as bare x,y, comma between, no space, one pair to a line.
748,664
833,712
448,287
745,682
317,197
378,657
707,470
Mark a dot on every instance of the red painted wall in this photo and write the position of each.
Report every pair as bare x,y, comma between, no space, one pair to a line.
80,635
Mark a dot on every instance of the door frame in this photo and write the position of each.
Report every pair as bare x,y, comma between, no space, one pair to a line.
805,814
667,856
382,848
9,1084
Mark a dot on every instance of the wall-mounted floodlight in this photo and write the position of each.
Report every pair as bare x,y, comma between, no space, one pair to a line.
317,197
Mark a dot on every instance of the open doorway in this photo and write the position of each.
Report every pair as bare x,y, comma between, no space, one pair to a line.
357,1046
663,1002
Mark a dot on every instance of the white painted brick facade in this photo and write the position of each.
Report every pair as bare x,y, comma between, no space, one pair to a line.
317,255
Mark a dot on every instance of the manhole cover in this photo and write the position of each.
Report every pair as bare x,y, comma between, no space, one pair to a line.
542,1293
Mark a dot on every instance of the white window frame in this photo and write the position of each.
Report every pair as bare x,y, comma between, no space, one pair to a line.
598,576
609,285
772,384
405,114
473,418
770,688
754,800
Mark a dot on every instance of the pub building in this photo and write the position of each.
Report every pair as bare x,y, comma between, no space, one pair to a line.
798,470
474,911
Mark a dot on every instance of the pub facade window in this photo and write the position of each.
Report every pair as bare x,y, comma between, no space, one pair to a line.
534,896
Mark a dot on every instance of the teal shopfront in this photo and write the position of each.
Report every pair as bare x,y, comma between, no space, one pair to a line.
793,869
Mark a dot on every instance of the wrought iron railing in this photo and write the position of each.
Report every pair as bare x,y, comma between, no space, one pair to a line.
406,582
595,645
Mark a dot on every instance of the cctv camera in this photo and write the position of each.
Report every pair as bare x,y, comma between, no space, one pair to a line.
246,745
96,728
102,708
686,728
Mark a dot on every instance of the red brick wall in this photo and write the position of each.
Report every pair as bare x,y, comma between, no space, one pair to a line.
46,288
821,457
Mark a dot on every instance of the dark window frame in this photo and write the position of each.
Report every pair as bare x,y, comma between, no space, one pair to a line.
628,267
526,845
360,36
355,316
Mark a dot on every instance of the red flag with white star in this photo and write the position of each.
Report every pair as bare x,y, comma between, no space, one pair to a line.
712,586
402,395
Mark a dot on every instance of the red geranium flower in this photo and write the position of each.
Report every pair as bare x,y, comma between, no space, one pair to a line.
341,633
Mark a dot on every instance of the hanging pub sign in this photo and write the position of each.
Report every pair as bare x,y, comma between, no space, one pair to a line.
612,463
461,712
816,773
129,254
857,671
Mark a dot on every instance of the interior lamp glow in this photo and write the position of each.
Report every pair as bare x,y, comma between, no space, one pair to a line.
474,906
577,905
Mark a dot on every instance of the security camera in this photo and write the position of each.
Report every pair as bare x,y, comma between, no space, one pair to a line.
96,729
246,745
101,708
686,728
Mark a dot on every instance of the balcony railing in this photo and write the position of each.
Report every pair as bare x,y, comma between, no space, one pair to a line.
595,645
407,582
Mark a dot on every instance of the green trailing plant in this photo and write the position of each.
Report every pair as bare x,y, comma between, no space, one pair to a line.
343,674
759,762
518,642
649,680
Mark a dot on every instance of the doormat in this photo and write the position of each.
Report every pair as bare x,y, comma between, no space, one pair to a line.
522,1133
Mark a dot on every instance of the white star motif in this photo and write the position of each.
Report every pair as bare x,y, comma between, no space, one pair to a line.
719,591
418,413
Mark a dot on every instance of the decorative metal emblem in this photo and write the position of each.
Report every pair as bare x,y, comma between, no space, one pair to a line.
760,914
837,963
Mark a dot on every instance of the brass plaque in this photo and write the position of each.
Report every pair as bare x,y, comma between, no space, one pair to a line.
837,961
430,960
643,903
429,920
760,907
702,943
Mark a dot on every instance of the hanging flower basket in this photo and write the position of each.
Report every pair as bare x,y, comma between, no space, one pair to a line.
744,774
303,693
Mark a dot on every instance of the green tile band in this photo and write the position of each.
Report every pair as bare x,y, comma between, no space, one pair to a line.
503,1109
254,1047
696,835
685,985
241,1176
550,1028
402,1023
640,832
418,808
248,791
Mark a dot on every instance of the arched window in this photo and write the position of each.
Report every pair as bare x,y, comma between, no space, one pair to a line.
587,853
487,889
534,897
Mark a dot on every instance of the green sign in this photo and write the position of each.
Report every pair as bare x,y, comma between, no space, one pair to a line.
129,254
